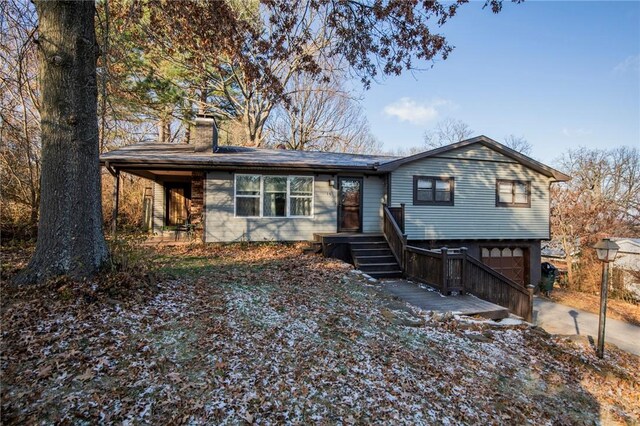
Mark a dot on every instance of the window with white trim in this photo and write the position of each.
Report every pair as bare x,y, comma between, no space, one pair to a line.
513,193
273,196
300,195
248,195
274,202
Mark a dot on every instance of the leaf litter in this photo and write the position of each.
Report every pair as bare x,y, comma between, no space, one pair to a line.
264,334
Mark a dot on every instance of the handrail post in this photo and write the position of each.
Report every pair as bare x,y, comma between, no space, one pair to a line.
402,213
445,271
529,316
463,266
404,253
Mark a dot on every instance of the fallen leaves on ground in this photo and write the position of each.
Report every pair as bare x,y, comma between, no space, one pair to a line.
263,334
616,309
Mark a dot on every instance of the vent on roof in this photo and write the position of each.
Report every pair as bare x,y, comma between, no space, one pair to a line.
205,134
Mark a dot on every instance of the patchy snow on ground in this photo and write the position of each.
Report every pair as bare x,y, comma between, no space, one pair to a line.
262,334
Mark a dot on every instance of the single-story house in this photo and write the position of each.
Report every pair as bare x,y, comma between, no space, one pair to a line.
476,193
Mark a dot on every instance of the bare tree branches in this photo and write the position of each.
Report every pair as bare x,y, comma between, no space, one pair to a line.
602,199
446,132
518,143
321,116
19,115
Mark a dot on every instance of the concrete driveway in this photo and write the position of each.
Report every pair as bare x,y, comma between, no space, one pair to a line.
561,319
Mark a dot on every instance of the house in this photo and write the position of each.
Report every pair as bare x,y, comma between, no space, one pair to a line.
627,261
476,194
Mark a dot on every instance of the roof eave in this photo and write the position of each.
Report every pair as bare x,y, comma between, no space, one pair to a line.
124,164
488,142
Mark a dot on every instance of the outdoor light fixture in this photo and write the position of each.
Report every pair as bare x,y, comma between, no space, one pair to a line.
332,183
607,251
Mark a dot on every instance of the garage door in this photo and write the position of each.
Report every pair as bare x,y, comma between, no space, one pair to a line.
509,261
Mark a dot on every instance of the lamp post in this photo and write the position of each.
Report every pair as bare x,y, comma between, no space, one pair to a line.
606,250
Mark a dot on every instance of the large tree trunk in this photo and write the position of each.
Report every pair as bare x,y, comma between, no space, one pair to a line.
70,239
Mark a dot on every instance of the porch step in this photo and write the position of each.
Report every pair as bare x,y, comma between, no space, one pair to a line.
375,258
385,274
384,258
376,267
372,252
368,245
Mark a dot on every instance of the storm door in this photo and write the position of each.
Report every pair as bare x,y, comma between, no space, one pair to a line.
349,204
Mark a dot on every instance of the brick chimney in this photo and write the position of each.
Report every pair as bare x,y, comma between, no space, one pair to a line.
205,134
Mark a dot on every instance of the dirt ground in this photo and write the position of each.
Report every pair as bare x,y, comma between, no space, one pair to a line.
617,309
260,333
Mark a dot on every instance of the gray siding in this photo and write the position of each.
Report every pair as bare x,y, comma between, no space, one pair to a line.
222,226
158,207
374,194
477,152
474,214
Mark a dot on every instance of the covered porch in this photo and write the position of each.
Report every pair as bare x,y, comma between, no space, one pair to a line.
173,205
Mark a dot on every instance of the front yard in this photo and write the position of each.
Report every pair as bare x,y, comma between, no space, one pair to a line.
264,334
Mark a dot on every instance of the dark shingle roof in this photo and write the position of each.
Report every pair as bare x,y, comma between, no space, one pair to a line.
183,156
175,155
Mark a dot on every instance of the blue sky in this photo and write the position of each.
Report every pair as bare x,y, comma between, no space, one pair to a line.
560,74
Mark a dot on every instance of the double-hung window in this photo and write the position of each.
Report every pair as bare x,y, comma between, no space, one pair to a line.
248,194
513,193
434,190
273,196
274,202
300,195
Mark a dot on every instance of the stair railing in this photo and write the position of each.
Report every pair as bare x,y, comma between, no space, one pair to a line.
395,237
452,270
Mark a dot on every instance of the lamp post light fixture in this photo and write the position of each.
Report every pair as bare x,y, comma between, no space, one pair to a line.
607,251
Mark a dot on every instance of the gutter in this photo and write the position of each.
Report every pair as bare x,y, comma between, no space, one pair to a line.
177,165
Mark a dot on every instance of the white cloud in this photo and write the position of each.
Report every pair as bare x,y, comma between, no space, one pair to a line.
631,63
575,133
407,109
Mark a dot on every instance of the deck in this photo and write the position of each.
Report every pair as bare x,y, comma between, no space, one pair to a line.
431,300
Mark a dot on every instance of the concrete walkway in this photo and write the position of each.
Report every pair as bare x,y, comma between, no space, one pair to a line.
429,299
562,319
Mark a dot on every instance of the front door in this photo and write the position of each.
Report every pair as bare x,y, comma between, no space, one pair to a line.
349,204
178,204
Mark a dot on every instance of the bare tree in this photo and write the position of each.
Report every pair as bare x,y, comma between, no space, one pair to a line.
19,116
446,132
602,199
321,116
518,143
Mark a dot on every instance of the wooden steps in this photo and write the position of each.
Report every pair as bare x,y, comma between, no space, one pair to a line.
374,258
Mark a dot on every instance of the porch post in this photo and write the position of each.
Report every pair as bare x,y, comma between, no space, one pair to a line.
402,217
463,266
529,316
116,201
445,270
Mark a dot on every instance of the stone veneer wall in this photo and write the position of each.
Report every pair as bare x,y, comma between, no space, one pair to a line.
197,203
